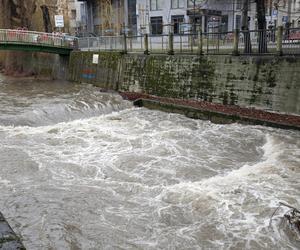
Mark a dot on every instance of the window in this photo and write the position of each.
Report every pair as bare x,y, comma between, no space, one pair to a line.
156,25
73,14
176,22
224,23
238,20
177,4
156,4
239,4
191,3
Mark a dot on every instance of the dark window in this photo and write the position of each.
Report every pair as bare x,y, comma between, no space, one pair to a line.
73,14
238,21
239,4
156,25
132,18
176,22
177,4
156,4
224,23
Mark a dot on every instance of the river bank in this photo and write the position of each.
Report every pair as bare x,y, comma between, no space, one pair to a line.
8,238
226,113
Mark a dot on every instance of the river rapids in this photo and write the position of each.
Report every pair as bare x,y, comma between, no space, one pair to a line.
81,169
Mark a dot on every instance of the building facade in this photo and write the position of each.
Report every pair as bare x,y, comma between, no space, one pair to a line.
111,17
78,16
114,17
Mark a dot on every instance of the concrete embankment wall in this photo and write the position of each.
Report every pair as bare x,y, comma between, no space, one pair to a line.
268,82
33,63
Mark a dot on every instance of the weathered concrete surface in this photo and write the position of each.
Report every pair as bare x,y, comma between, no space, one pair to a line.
268,82
213,116
8,239
106,74
38,64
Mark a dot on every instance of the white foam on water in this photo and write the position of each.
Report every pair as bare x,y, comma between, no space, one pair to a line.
259,186
150,180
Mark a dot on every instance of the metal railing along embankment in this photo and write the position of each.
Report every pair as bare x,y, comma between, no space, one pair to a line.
272,41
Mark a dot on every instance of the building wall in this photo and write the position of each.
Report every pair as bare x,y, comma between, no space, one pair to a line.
226,7
231,12
77,16
103,22
231,9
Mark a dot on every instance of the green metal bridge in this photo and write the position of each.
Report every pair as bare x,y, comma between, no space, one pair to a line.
24,40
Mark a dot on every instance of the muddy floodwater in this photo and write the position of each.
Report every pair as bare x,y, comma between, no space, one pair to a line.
81,169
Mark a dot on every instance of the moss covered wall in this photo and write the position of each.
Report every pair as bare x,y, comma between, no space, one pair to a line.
264,82
106,74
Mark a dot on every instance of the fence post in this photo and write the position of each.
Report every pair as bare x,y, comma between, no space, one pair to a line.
88,44
200,42
125,44
235,51
98,44
171,44
146,44
279,40
76,43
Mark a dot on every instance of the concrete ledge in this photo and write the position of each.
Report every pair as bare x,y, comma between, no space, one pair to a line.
8,239
213,116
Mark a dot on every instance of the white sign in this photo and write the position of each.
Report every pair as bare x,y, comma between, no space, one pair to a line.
59,21
95,58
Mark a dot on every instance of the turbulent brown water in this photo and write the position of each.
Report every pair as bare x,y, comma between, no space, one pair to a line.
81,169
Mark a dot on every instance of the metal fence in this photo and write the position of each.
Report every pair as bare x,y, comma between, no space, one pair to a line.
291,41
37,38
271,41
135,44
103,43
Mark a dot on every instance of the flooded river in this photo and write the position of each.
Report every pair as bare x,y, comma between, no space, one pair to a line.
81,169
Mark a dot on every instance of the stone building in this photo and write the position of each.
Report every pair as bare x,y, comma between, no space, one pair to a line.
111,17
78,16
33,14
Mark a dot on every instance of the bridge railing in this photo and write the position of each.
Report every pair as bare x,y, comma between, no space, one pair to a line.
37,38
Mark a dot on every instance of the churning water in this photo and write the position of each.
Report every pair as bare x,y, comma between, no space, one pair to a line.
81,169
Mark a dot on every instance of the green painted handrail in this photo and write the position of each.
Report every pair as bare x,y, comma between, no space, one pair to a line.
39,39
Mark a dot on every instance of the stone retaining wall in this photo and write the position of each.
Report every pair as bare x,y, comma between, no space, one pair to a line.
268,82
47,65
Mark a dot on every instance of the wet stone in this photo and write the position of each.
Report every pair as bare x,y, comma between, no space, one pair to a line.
8,239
